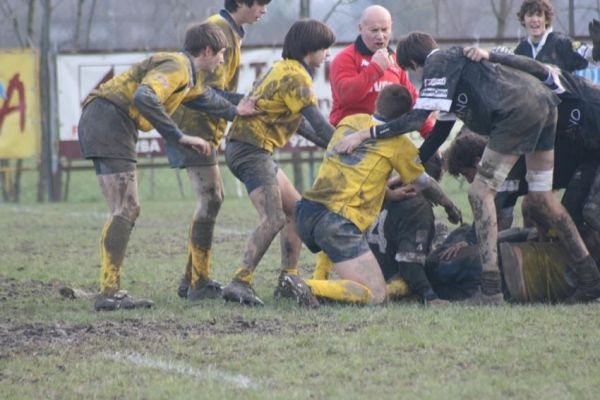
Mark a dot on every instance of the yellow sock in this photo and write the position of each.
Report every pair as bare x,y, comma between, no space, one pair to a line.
188,267
113,243
244,275
340,290
324,266
397,288
290,271
200,265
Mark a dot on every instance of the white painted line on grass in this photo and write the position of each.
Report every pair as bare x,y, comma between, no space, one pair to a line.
209,373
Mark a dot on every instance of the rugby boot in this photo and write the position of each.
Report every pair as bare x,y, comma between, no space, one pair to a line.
121,299
184,286
241,292
588,281
480,299
204,289
292,286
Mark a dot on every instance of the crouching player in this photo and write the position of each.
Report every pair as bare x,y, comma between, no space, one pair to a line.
346,198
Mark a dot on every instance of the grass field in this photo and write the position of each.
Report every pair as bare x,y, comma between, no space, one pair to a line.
61,349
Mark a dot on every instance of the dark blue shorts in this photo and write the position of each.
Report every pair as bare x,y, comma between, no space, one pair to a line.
252,165
321,229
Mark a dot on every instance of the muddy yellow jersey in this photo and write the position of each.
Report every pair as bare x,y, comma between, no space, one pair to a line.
170,75
225,77
283,92
353,185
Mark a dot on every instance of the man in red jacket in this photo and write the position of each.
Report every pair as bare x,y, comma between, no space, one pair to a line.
361,70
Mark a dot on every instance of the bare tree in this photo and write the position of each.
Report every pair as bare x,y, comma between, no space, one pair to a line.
333,8
501,12
436,14
10,15
78,17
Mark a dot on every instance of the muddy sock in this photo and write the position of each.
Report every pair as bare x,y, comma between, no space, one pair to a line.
340,290
324,266
187,274
290,271
113,244
397,288
491,283
587,272
200,243
414,275
244,275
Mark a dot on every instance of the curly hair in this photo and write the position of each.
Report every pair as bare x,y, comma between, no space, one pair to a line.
536,6
463,152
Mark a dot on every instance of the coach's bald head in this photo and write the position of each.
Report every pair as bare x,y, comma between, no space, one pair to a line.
375,27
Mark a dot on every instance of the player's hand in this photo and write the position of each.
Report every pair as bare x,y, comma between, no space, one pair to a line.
451,252
454,214
196,143
400,192
594,29
349,143
247,106
381,57
476,54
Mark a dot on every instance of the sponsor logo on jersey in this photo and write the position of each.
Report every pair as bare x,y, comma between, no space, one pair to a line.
434,82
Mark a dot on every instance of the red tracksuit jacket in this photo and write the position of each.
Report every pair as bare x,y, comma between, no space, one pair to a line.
356,82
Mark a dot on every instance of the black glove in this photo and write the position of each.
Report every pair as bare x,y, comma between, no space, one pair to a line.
594,29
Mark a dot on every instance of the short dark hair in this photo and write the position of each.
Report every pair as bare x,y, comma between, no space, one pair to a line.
200,36
463,152
413,49
233,5
536,6
306,36
393,101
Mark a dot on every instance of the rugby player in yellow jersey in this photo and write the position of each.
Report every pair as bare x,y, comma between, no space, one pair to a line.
203,170
346,198
141,98
285,97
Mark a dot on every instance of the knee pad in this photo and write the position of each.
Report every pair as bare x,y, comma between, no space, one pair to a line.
493,176
539,181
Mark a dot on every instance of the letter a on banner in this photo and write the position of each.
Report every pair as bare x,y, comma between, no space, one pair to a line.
19,104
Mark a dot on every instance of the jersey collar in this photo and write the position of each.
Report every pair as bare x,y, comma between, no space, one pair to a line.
226,15
362,48
535,48
192,68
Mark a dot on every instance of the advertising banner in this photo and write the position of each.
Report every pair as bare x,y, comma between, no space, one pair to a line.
19,104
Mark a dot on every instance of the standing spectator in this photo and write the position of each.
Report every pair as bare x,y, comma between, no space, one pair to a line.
362,69
545,45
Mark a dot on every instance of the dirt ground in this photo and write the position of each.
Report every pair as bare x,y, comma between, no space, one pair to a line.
17,337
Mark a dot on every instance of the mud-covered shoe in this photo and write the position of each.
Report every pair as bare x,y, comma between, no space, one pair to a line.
241,292
588,282
292,286
184,286
481,299
208,289
121,299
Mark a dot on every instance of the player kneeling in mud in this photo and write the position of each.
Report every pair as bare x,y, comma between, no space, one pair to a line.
346,198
